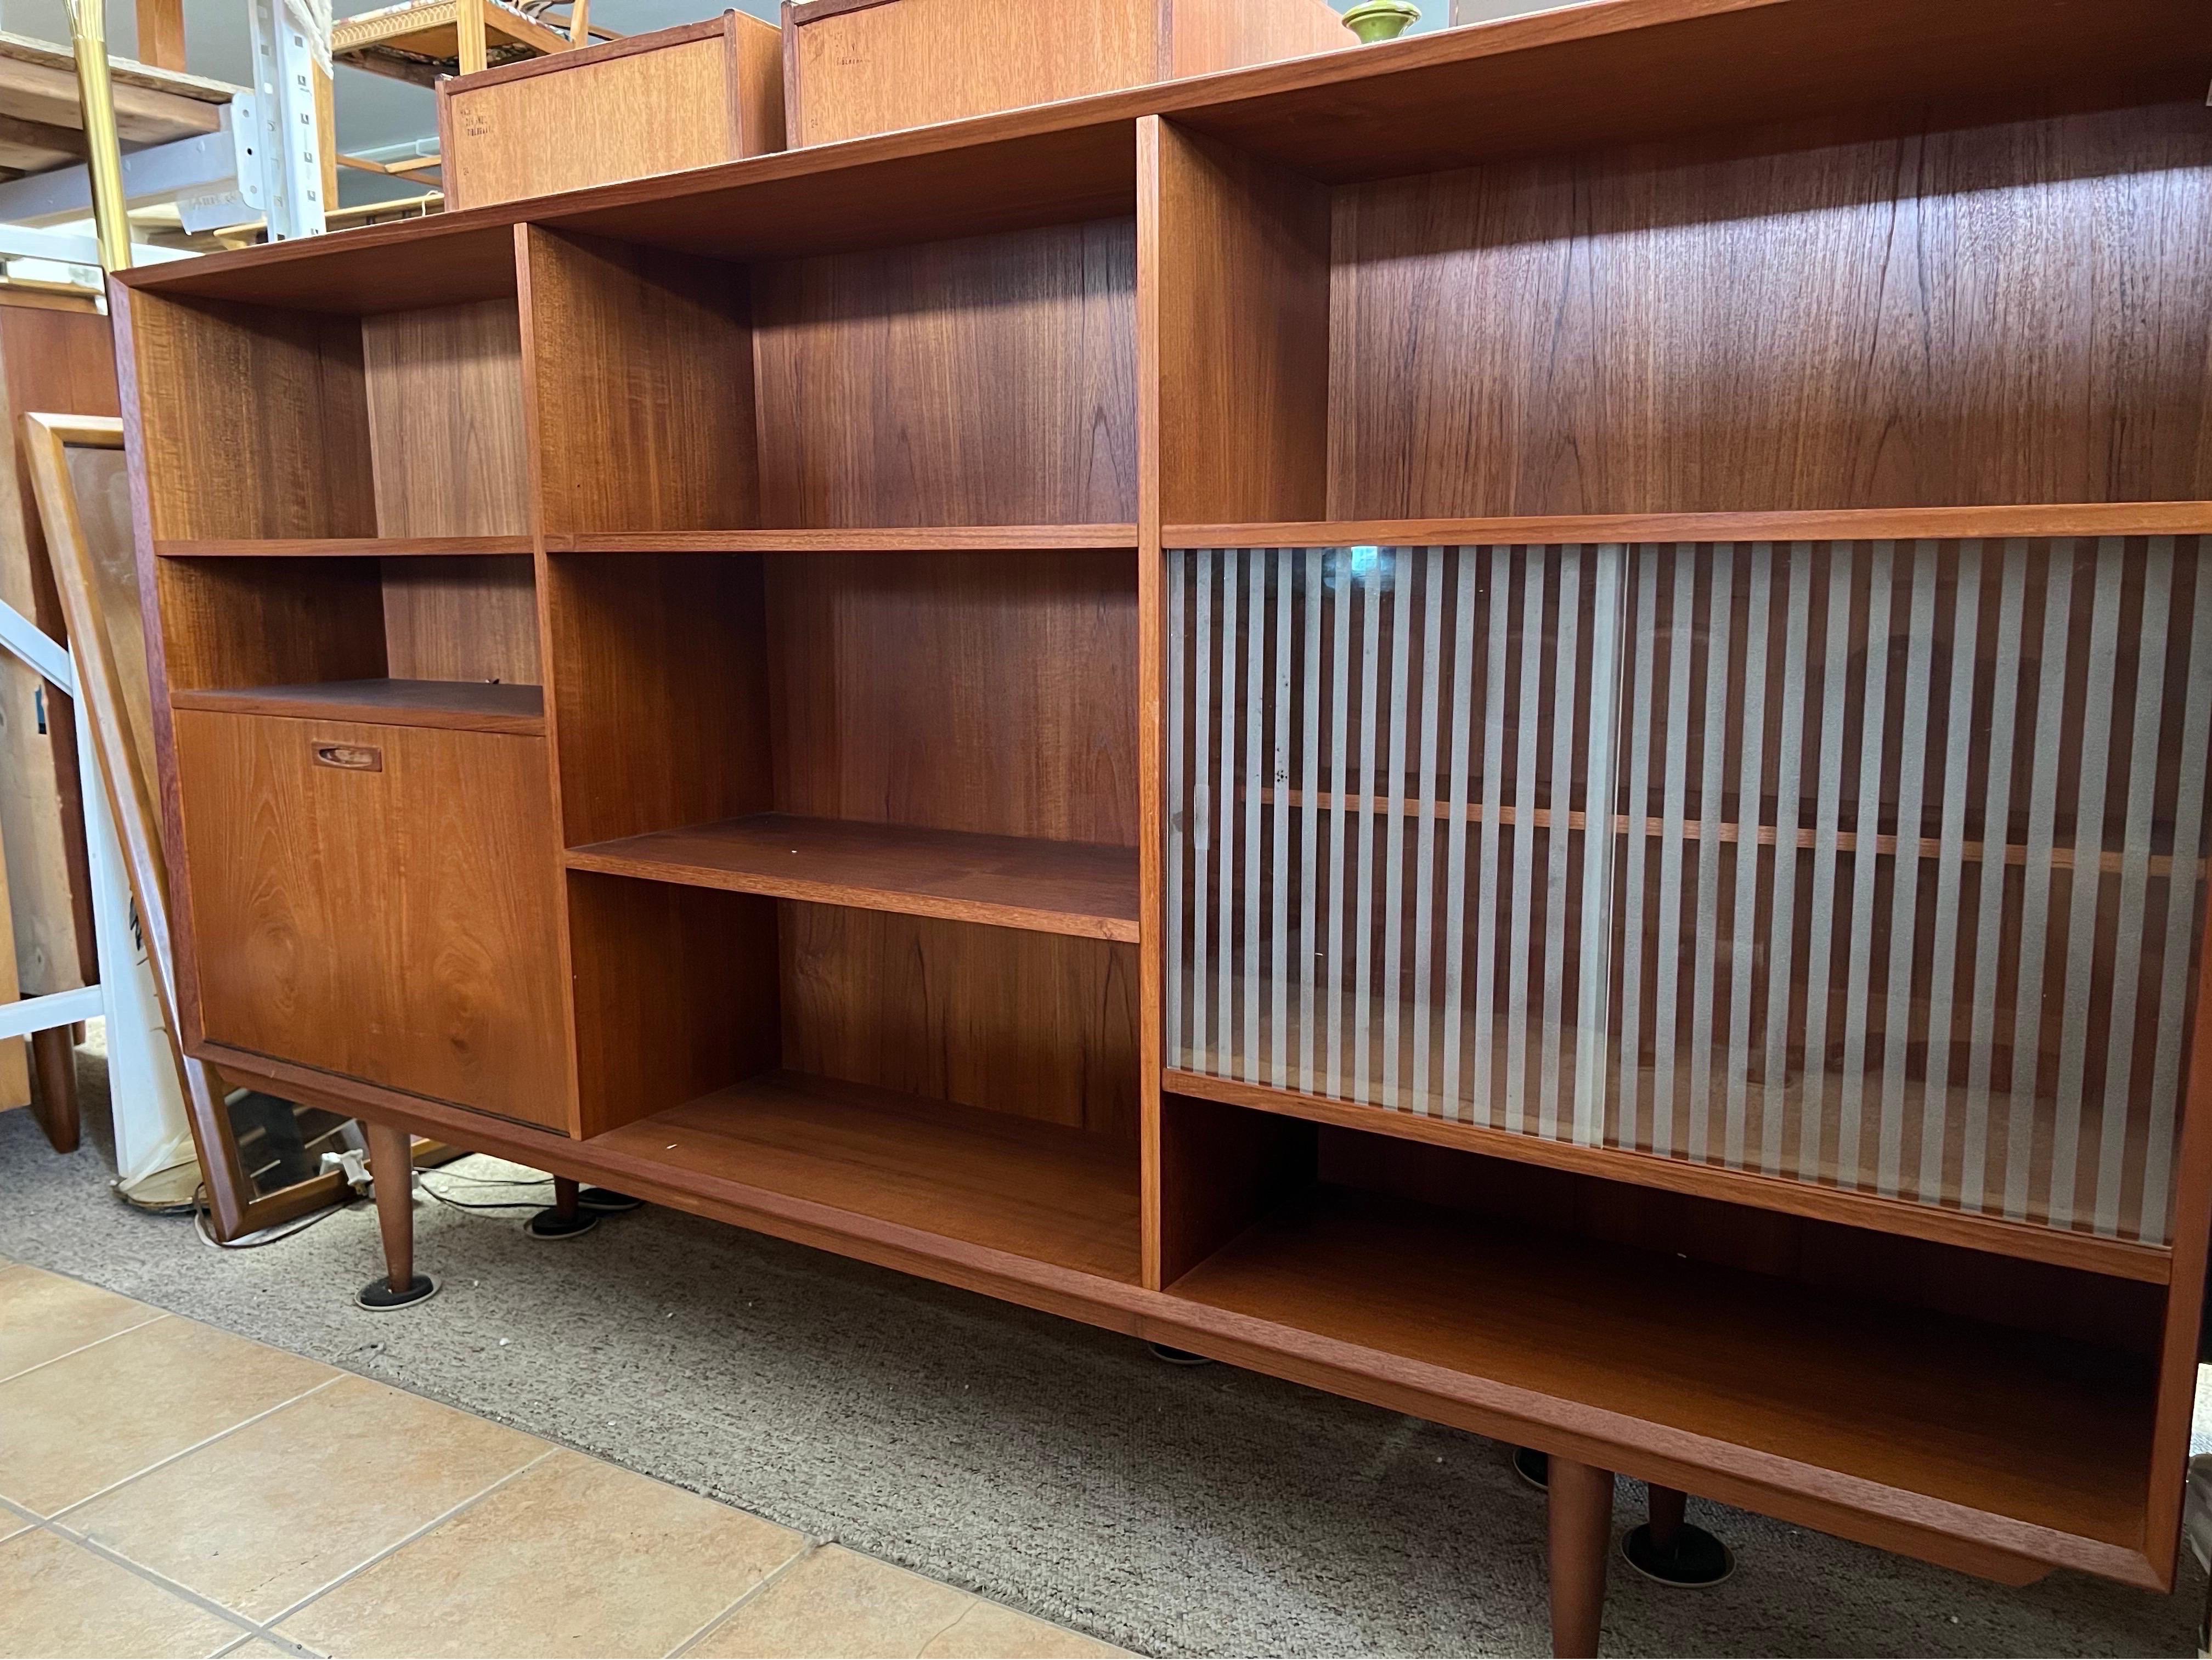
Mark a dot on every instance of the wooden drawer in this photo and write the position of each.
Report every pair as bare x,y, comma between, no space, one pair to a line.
377,901
856,67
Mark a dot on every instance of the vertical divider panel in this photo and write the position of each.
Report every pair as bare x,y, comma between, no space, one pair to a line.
638,406
1232,357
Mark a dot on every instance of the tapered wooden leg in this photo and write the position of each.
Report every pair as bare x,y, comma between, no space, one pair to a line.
565,1218
1667,1508
1582,1537
391,1165
1670,1549
54,1102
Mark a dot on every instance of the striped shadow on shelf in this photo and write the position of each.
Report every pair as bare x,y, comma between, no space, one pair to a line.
1872,865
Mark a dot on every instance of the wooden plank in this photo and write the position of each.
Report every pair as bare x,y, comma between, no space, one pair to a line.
386,911
905,539
2053,1434
338,547
1806,524
460,706
1953,1535
1004,881
444,389
1053,1194
2151,1264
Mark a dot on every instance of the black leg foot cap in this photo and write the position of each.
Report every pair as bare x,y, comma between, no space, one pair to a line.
549,1224
1533,1467
606,1201
1176,1357
378,1297
1693,1559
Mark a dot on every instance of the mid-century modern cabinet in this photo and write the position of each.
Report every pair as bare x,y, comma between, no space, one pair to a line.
1516,723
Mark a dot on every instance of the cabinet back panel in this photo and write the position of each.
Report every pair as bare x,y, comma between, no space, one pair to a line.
444,420
990,380
258,421
461,619
1917,1273
992,692
1036,1024
268,622
2014,312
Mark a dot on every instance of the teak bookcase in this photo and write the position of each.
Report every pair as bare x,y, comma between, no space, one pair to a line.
1517,724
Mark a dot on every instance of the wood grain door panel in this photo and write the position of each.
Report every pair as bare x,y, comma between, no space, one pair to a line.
377,901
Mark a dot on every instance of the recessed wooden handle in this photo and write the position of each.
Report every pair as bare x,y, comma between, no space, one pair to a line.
354,757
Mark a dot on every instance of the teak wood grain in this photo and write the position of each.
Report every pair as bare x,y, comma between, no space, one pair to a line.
2149,1264
1642,270
1833,1382
1722,325
1046,887
391,922
856,69
645,358
897,539
1808,524
1032,1189
1017,354
958,691
1035,1025
645,104
1954,1535
444,420
463,706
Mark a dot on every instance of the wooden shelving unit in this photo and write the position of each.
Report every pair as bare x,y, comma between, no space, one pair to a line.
1050,887
1032,1189
459,705
1405,717
1844,1387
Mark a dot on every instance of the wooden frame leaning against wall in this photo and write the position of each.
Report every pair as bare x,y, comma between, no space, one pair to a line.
1402,718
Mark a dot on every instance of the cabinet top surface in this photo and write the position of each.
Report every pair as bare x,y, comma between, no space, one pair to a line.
1610,71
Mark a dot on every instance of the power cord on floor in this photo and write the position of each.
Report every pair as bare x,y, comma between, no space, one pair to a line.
423,1180
253,1241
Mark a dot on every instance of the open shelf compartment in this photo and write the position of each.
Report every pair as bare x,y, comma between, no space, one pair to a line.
2017,1391
1052,887
1036,1191
416,641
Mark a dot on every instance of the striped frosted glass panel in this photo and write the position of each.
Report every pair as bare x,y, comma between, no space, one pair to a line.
1873,865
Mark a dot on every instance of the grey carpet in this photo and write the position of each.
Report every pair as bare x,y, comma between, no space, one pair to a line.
1032,1460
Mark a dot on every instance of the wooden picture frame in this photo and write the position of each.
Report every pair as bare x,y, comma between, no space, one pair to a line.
119,704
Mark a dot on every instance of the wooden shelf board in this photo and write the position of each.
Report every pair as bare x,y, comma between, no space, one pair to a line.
460,705
1725,831
919,539
1633,70
2121,1259
1570,79
2044,1431
1822,525
1038,1190
342,547
1004,881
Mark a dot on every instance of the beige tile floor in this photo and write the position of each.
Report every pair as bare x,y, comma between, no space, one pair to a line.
132,1443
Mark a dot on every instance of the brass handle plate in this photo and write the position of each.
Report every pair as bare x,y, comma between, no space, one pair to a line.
354,757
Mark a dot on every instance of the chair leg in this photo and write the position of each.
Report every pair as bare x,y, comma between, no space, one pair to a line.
391,1165
54,1101
1582,1536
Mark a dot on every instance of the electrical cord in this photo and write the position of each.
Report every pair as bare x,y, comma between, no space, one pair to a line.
265,1236
422,1181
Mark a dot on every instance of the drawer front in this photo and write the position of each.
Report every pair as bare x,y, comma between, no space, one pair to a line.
379,902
